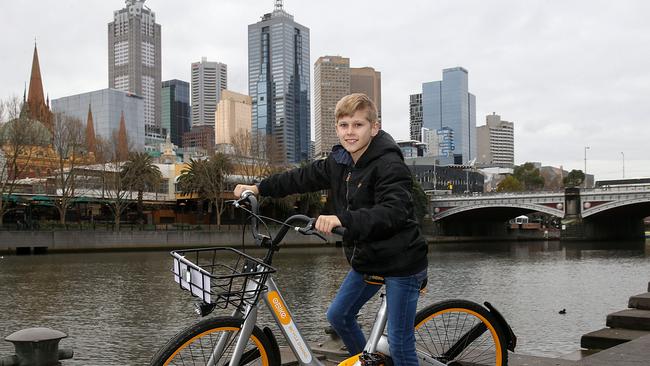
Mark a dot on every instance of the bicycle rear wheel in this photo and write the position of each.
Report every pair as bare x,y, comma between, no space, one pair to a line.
194,345
460,332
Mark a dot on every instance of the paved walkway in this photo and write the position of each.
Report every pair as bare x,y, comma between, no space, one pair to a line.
633,353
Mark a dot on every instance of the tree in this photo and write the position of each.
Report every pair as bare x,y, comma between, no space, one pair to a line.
114,188
207,179
68,142
139,173
510,184
529,177
20,138
420,201
574,178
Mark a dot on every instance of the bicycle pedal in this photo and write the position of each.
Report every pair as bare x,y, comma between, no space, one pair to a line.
375,359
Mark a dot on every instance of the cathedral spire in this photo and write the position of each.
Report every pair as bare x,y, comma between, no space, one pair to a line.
122,141
90,132
35,96
36,103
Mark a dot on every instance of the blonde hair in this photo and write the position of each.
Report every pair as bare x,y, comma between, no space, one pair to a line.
350,104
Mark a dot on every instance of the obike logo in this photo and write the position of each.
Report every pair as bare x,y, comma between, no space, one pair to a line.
279,308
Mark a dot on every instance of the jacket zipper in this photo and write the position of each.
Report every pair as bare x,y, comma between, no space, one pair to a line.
347,207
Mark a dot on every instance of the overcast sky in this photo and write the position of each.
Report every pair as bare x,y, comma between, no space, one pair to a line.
569,74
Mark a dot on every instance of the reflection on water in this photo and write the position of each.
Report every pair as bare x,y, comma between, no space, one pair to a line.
118,308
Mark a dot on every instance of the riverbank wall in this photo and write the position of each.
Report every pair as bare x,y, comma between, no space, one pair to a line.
21,242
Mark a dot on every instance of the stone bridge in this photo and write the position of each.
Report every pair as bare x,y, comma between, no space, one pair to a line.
603,213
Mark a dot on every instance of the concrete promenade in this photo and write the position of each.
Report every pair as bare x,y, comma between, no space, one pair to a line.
633,353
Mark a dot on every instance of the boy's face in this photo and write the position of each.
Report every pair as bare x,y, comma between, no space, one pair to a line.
355,133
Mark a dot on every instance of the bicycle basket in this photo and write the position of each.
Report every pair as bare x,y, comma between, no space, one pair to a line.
220,275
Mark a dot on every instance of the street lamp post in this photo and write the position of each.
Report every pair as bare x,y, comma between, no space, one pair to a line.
623,155
586,148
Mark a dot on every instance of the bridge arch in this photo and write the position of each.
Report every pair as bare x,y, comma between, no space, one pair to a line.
524,206
613,205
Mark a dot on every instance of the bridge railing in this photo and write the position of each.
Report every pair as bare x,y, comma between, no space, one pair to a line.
479,195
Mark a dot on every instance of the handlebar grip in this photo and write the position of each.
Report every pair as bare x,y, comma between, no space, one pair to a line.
339,230
245,194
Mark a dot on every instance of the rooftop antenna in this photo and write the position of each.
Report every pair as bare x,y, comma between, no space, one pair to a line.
278,5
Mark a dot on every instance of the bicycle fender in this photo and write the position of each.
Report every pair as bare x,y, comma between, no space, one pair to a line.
352,361
510,335
274,342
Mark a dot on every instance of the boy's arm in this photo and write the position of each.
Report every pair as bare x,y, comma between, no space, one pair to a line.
392,210
310,178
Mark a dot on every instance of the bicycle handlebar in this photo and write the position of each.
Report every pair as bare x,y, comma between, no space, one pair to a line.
307,229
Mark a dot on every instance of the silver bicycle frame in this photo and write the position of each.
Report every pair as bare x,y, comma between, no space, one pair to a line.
377,340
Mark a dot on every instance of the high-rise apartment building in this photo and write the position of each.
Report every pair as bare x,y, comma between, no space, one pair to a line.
448,103
278,83
496,142
415,117
233,118
176,109
208,80
331,83
134,59
368,81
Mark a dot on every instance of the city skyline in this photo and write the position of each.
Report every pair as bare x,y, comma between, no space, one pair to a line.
567,73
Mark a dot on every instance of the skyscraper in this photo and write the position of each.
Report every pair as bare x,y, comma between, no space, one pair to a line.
367,81
331,83
176,109
278,83
448,103
208,80
134,59
415,117
496,142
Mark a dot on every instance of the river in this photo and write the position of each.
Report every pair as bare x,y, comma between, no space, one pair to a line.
118,308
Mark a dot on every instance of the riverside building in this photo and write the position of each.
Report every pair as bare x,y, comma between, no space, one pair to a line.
496,142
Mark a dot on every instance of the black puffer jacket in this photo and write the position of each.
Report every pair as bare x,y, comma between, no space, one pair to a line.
372,199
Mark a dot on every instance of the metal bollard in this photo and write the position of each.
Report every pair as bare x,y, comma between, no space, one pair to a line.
36,347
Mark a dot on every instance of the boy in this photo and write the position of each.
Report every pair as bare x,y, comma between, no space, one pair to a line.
371,194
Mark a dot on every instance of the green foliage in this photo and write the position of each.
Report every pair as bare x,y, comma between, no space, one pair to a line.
529,177
510,184
207,179
574,178
420,201
139,173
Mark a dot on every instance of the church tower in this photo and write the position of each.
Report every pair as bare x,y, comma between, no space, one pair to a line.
36,106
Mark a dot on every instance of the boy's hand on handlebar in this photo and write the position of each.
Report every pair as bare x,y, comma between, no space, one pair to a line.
240,188
325,223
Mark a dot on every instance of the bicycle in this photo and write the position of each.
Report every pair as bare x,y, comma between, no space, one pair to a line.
451,332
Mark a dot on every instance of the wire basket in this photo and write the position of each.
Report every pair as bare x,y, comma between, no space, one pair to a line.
220,275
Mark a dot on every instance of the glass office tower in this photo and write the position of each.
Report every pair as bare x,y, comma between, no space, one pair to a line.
176,109
278,83
448,104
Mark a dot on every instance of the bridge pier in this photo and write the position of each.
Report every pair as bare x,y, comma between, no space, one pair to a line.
616,225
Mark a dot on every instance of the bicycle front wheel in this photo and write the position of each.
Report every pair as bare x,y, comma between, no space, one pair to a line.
459,332
214,339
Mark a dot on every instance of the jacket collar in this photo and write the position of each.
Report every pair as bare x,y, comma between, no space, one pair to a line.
341,156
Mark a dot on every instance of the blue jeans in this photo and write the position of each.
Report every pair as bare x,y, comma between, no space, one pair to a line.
401,299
